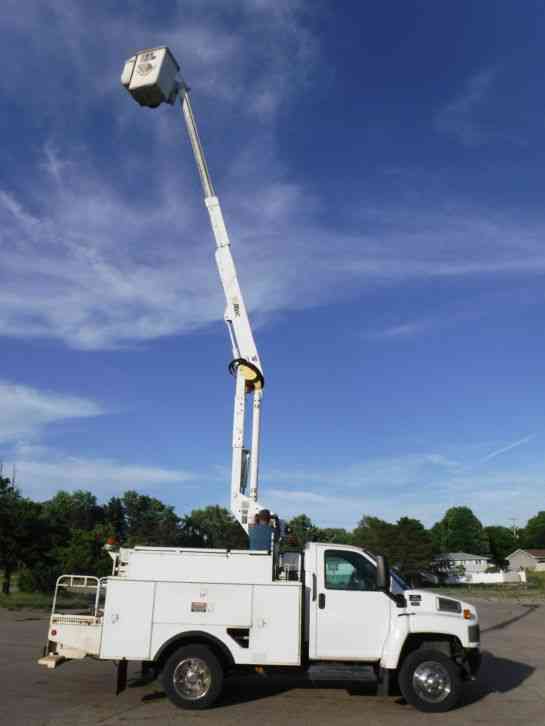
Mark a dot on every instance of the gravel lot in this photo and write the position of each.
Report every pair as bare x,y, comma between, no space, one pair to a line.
510,689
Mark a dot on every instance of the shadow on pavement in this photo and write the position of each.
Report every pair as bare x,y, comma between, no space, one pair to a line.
506,623
245,689
238,691
496,675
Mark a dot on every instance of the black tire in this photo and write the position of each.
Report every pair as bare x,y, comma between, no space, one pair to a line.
193,677
439,676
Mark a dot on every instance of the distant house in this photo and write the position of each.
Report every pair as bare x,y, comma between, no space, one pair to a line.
527,560
452,563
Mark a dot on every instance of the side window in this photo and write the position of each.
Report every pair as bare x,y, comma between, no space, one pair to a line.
345,570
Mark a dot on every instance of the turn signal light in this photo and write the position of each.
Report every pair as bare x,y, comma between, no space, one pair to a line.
468,615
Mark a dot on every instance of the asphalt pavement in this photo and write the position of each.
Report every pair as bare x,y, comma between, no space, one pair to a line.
510,688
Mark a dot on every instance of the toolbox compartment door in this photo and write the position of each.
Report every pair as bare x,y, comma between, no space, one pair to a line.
126,632
275,635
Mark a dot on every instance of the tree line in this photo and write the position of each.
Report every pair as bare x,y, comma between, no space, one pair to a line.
66,534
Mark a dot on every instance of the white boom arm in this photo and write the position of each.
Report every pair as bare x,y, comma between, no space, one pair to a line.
246,365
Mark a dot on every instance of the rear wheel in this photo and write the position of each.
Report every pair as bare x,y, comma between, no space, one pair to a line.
430,681
193,677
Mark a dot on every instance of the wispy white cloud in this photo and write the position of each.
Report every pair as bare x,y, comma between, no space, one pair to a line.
99,262
99,270
506,448
459,117
441,460
27,410
106,253
42,471
337,509
404,330
395,471
423,486
269,54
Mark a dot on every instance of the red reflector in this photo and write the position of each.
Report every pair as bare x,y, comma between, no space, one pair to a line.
53,632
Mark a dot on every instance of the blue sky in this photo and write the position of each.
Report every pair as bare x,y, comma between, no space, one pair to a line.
381,169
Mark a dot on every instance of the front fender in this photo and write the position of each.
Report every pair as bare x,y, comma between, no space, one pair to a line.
435,624
447,624
394,642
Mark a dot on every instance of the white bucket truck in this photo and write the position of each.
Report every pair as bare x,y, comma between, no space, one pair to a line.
194,616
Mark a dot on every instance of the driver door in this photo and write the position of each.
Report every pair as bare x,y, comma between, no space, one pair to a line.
352,618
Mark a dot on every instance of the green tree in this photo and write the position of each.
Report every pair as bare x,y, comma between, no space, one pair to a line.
502,543
334,534
83,554
303,529
411,548
74,510
375,535
24,533
459,531
149,521
114,518
533,534
438,538
9,546
213,527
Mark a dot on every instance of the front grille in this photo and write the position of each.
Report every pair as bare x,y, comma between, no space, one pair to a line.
447,605
474,633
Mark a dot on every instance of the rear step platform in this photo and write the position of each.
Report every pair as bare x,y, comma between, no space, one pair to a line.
51,660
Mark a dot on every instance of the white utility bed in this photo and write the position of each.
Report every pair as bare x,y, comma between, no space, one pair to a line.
206,565
141,616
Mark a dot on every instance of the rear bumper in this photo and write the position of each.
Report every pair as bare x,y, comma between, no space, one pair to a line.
74,636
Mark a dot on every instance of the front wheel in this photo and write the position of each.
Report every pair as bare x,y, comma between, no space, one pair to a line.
430,681
193,677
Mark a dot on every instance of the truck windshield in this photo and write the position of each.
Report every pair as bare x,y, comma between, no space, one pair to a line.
399,581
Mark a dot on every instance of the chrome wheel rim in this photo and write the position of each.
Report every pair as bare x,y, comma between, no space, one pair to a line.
431,681
192,678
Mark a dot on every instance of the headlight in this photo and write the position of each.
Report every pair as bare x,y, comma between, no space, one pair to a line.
446,605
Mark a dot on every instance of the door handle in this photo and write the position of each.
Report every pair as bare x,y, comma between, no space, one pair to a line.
314,587
321,601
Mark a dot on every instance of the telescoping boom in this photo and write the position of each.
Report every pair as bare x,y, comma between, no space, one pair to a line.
151,78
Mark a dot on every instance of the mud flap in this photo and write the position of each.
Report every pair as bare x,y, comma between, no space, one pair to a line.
383,685
121,676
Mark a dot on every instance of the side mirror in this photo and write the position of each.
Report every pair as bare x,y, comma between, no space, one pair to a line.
383,574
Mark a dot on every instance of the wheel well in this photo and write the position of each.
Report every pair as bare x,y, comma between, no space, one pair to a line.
449,645
220,650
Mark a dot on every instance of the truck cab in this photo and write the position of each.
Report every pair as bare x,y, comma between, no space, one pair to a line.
430,643
351,617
